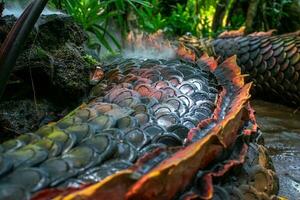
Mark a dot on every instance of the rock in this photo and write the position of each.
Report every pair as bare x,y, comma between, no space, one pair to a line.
53,60
51,66
19,116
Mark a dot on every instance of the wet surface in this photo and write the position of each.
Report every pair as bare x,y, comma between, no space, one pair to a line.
281,128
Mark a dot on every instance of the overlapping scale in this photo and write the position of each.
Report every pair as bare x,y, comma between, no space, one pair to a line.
205,112
146,105
269,60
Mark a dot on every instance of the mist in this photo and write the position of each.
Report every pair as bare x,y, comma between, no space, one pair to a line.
16,8
153,46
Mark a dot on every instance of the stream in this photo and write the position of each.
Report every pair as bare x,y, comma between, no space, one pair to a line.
281,128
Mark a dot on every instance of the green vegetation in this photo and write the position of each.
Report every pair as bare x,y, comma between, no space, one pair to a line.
108,22
89,59
96,16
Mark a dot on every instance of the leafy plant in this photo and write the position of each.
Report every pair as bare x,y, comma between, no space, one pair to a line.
150,19
97,16
55,4
93,17
205,30
121,9
182,20
274,11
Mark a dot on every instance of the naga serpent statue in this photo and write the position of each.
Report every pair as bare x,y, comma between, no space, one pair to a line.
179,127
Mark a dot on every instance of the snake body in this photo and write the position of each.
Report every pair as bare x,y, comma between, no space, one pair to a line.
149,118
140,111
271,61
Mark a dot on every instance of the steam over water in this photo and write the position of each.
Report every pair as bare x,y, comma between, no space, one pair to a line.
148,47
145,52
16,9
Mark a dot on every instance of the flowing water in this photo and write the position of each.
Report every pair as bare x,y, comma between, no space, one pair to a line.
281,128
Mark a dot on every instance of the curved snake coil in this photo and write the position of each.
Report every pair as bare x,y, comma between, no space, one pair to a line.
272,62
158,129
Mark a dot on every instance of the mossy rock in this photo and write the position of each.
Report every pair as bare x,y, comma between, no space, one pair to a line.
52,65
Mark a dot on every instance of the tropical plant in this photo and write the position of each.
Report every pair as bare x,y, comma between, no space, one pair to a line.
93,17
150,18
121,11
97,16
55,4
182,20
274,12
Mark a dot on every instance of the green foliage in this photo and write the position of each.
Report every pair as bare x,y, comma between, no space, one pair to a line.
150,19
95,17
89,59
237,21
121,9
55,4
205,30
274,11
100,17
182,20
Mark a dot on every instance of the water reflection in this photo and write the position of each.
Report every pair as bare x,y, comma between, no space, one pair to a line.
281,127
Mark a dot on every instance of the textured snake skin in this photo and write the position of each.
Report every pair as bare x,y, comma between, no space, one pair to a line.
272,62
147,118
147,104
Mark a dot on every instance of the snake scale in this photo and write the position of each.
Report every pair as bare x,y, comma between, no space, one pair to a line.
271,61
185,124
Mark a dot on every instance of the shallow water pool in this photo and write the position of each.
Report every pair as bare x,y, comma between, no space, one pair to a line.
281,128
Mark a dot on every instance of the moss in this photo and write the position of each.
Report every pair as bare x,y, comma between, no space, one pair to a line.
89,59
54,60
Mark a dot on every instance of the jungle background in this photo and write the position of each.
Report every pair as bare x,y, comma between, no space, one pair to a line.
108,22
202,18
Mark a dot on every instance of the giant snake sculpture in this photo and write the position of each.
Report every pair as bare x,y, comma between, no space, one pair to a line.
170,128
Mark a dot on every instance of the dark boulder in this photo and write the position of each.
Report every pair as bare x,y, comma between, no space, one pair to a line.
53,65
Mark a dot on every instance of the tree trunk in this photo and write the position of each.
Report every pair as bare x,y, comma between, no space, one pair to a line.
197,7
230,12
237,9
251,13
219,14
